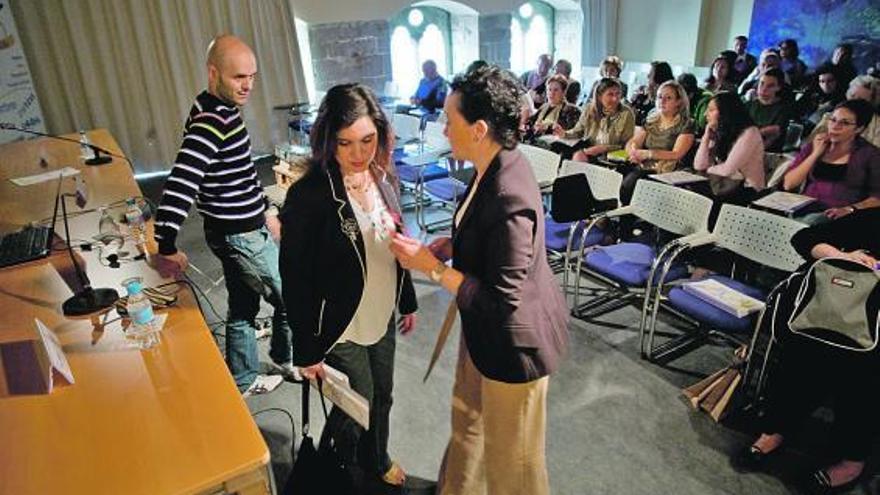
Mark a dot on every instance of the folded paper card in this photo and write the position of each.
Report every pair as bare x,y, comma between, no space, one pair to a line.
724,297
31,366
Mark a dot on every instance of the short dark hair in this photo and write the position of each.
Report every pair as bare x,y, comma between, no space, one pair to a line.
793,44
661,71
476,64
565,63
860,108
777,73
342,106
492,95
742,38
689,82
558,79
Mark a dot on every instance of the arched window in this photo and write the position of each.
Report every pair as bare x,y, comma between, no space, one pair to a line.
418,34
531,34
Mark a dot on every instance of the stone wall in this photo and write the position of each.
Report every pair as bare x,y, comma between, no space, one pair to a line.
351,52
465,41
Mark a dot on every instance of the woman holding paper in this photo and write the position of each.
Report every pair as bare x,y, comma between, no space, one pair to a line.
808,372
556,111
342,287
513,316
606,124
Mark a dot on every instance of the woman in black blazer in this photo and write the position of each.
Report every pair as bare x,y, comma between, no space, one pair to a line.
341,284
513,316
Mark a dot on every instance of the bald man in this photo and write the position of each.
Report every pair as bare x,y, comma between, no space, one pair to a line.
214,170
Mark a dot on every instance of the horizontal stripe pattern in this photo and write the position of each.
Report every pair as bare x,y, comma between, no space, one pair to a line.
214,170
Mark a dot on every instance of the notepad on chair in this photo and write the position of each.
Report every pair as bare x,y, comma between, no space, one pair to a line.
678,177
723,297
783,201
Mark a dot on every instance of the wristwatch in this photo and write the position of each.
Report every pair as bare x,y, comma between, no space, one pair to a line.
436,273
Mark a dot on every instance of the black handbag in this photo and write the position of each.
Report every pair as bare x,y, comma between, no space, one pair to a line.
317,470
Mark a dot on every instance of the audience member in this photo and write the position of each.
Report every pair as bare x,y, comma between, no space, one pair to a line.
770,111
865,88
769,60
794,68
720,78
214,170
476,64
808,372
342,286
732,149
664,140
842,62
745,62
556,111
534,79
513,316
432,89
838,167
643,102
611,67
823,96
573,92
606,124
698,98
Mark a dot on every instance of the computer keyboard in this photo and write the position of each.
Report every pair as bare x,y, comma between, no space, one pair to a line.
29,243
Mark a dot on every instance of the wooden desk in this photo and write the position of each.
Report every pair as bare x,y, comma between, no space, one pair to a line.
168,420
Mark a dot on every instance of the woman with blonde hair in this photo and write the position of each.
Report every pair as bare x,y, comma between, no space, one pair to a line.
606,124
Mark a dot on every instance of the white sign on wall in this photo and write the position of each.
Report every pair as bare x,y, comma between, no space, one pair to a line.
18,100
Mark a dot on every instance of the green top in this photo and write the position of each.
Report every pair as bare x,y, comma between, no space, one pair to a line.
611,130
777,113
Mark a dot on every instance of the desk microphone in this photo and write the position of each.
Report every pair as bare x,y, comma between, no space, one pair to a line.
98,159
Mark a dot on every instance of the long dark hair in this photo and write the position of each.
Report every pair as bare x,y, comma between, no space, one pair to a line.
342,107
733,119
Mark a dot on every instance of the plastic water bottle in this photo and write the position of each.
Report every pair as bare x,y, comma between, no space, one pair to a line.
142,333
85,149
136,225
109,236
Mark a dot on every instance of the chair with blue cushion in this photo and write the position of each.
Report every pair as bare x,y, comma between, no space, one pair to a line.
754,235
626,267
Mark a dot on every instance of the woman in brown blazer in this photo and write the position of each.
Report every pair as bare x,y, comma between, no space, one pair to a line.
513,316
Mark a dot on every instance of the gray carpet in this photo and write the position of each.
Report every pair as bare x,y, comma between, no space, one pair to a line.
616,424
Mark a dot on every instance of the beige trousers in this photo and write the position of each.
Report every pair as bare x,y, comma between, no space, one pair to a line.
497,445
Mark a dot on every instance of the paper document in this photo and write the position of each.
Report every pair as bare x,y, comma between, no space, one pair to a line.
337,390
678,177
30,180
57,360
723,297
617,156
783,201
552,138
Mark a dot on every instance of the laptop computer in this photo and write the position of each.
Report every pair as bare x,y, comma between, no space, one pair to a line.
32,242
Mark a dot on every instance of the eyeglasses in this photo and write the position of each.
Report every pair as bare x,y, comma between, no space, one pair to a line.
841,122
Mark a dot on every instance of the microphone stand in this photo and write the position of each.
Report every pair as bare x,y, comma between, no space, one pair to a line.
87,300
98,159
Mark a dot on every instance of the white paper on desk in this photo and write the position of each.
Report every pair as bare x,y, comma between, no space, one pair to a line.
30,180
338,391
57,360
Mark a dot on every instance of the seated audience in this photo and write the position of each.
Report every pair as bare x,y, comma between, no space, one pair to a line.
842,62
822,97
534,79
769,60
770,111
808,371
731,148
719,79
563,67
664,140
745,62
611,67
838,167
556,111
698,98
643,101
794,68
431,92
865,88
606,124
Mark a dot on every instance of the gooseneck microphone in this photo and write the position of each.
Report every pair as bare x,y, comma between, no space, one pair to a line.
98,159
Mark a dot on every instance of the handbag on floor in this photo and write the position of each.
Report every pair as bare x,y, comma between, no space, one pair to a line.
316,471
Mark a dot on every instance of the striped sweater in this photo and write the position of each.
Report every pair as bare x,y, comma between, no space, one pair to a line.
214,169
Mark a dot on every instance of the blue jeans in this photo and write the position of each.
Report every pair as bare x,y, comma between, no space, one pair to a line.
250,266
